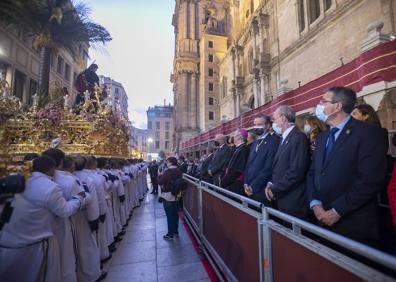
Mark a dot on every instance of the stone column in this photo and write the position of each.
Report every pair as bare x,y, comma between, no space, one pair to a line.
254,35
194,115
255,93
185,19
262,92
237,64
184,99
233,65
192,19
237,104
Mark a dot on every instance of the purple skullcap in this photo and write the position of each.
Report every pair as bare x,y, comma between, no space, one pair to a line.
243,132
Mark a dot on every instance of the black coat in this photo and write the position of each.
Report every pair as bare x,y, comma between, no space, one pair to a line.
219,161
203,172
183,167
290,167
233,178
259,165
350,178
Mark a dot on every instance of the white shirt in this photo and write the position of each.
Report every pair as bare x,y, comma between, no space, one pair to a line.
287,132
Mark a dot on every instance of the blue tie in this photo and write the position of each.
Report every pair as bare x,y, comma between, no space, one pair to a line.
330,142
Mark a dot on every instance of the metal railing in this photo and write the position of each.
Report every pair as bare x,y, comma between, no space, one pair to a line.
212,201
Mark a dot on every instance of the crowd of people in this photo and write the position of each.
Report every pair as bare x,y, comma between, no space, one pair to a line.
65,225
333,172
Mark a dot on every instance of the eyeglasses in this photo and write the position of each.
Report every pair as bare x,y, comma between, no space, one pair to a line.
322,102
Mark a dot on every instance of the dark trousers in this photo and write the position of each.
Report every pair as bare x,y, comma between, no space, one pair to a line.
172,216
154,182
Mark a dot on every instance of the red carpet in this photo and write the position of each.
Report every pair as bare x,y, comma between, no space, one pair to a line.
204,261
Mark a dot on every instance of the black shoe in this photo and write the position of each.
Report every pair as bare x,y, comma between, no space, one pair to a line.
102,276
168,237
112,248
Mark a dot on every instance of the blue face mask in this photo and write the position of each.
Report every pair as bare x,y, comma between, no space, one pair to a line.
320,114
277,129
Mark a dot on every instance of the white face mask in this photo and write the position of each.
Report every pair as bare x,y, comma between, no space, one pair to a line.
276,128
320,114
307,129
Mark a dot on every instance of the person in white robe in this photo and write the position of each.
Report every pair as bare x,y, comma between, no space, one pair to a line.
100,183
65,230
88,267
29,250
101,165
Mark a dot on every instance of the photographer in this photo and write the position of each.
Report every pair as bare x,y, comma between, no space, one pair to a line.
28,247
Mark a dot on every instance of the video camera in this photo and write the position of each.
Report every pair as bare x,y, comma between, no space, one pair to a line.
9,186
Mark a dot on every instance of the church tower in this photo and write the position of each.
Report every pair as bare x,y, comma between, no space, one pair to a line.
200,43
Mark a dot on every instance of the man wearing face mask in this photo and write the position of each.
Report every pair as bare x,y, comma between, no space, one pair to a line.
220,159
259,165
348,169
234,173
290,165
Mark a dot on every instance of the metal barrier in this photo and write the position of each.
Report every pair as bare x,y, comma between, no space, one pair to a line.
244,242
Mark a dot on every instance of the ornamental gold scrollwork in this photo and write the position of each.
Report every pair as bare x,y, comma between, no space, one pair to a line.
96,130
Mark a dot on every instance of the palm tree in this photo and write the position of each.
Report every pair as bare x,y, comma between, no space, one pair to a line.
53,24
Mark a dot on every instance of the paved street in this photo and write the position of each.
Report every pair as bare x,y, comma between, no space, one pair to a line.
144,255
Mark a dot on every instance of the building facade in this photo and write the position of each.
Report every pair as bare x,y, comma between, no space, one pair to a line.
116,93
252,51
141,140
160,130
19,66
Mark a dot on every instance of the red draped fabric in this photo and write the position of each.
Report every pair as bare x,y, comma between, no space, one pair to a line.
377,64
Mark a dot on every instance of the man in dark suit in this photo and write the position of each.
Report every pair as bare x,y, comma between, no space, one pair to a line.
220,159
203,172
153,171
348,169
235,169
259,165
291,162
182,164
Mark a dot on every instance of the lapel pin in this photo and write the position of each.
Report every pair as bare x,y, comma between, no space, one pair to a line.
348,131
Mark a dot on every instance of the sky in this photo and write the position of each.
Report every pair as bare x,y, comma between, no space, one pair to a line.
140,56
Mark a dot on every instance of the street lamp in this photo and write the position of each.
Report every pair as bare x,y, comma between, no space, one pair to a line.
149,141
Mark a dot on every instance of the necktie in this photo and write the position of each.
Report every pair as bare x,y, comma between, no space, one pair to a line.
330,142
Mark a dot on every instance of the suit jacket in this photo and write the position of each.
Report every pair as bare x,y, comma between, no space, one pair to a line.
183,167
350,178
259,165
219,161
203,172
233,178
289,171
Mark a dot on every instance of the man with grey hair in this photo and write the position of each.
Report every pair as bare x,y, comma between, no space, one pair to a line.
235,169
290,166
220,159
348,170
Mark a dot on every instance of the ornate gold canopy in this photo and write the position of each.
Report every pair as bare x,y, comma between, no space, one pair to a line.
98,129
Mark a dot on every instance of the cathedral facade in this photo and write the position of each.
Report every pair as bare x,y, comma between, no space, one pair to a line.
233,56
